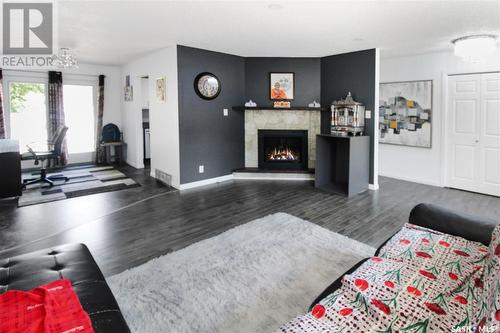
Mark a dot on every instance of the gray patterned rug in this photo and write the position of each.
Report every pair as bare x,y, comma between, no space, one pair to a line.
83,180
252,278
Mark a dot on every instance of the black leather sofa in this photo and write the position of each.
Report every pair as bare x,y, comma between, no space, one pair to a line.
473,228
75,263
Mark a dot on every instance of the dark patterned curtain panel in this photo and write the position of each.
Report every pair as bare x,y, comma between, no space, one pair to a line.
99,156
56,112
2,115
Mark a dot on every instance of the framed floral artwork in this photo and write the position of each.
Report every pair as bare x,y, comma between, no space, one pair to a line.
161,89
128,90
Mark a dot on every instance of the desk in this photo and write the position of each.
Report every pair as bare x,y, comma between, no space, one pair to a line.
10,169
117,157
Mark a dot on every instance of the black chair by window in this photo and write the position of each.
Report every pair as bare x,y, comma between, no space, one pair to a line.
52,151
111,139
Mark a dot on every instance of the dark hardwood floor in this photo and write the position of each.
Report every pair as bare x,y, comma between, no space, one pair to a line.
22,225
129,227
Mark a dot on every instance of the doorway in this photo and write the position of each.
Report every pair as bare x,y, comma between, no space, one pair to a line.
473,133
145,121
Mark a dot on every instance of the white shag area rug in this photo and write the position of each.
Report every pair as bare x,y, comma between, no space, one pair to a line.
252,278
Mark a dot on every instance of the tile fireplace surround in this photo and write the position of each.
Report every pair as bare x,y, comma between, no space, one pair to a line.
279,120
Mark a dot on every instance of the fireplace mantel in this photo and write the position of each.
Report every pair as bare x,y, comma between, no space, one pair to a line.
270,108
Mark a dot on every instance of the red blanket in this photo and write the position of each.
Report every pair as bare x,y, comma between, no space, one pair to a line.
51,308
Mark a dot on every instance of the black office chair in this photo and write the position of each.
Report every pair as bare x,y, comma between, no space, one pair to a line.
53,151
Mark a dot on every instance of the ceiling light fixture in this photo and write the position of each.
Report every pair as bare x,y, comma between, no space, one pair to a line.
65,58
474,48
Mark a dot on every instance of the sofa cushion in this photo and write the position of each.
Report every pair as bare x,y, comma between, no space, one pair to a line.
423,281
336,284
75,263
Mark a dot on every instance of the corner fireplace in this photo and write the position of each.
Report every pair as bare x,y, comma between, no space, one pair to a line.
283,149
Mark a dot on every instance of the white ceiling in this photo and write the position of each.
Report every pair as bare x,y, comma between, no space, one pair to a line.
115,32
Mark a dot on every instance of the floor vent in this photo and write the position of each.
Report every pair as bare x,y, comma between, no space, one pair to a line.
163,177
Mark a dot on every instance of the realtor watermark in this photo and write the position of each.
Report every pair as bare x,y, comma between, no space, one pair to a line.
28,34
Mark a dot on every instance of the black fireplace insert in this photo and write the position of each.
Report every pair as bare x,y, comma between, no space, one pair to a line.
283,149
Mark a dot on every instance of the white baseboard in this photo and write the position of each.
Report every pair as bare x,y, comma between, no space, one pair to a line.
272,176
373,187
205,182
415,180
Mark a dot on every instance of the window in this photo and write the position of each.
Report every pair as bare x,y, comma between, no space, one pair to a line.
79,112
28,113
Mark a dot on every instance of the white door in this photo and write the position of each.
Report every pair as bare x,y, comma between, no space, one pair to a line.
489,135
473,133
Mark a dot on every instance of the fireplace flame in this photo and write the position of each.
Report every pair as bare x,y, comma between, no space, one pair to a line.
284,154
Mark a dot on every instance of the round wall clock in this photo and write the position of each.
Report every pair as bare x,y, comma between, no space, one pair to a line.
207,85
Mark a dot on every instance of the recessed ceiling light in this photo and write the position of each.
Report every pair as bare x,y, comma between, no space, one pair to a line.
275,6
474,48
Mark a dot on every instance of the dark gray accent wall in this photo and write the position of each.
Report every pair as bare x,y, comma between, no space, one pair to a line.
354,72
206,136
307,78
217,142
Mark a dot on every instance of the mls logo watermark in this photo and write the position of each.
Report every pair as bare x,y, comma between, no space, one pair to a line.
28,34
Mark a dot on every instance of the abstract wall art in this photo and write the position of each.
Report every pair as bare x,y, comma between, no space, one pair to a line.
405,113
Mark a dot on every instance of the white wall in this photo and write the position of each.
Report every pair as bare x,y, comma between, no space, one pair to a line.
112,91
163,117
84,73
112,105
425,165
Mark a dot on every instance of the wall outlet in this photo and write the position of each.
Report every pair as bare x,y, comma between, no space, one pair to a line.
201,169
368,114
226,112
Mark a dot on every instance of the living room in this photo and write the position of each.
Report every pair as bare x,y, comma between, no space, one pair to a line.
250,166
